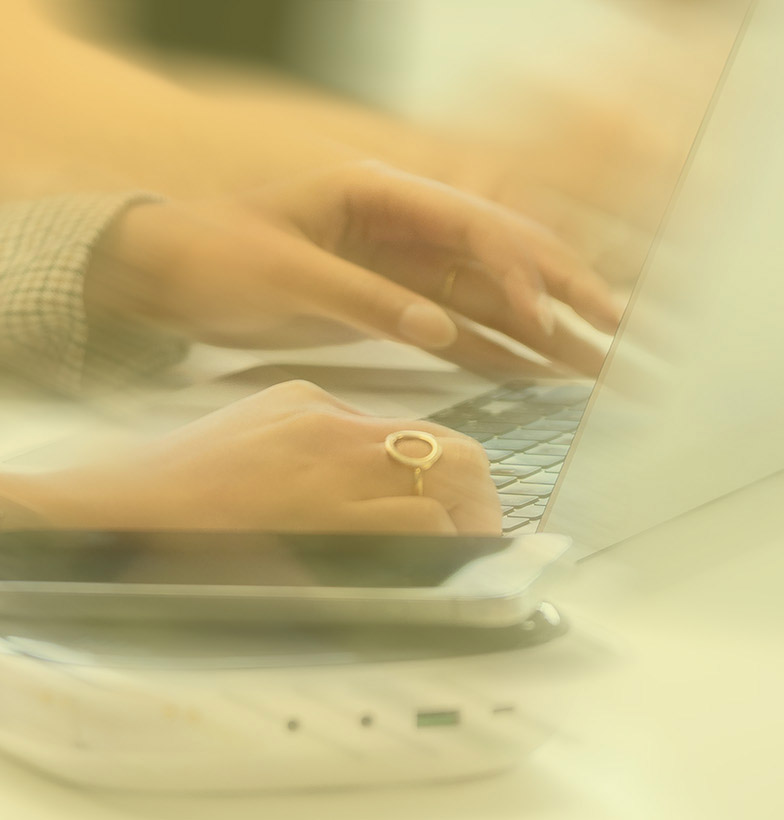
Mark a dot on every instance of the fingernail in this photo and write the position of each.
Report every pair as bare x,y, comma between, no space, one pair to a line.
605,324
427,325
609,319
544,309
618,308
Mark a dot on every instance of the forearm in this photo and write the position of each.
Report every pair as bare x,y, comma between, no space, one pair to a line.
86,119
76,498
76,117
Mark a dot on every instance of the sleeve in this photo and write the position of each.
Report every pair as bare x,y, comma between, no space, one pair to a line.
45,247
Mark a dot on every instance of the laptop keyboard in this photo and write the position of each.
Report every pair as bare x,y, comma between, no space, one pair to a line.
526,430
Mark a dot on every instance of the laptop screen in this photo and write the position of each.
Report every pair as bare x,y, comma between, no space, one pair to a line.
688,405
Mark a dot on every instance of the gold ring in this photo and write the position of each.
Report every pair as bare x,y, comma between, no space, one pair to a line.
448,286
419,463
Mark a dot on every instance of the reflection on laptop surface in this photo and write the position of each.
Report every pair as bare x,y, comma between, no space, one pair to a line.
688,405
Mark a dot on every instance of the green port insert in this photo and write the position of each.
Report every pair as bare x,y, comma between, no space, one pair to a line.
427,720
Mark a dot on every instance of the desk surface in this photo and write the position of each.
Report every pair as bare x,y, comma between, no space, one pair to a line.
682,718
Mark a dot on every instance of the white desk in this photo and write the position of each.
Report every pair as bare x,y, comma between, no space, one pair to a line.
665,697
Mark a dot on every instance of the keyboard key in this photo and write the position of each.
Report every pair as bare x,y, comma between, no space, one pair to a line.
528,460
514,525
510,528
554,425
533,512
480,437
549,450
529,433
526,430
452,416
563,438
519,420
522,497
541,478
490,405
510,442
517,501
498,455
567,415
514,393
539,489
516,470
484,426
564,394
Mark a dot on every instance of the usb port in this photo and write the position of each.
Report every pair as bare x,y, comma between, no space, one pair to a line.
506,709
426,720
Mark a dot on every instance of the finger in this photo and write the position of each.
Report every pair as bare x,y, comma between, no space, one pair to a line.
566,345
569,279
349,293
400,515
527,259
439,274
567,351
463,485
459,480
474,292
301,395
281,400
562,344
391,206
375,473
476,352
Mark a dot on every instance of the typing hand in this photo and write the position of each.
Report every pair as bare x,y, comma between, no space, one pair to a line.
361,247
290,458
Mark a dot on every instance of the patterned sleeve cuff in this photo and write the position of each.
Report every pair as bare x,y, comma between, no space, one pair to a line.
45,247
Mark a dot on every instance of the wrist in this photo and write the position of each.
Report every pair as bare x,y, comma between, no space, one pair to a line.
124,277
79,498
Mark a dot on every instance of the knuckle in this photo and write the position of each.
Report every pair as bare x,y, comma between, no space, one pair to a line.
438,430
314,420
368,165
359,174
300,393
430,508
325,422
429,515
304,388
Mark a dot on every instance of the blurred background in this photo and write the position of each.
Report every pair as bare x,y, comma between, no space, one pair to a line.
397,53
579,112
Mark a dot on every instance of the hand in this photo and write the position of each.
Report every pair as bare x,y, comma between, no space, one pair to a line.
290,458
361,246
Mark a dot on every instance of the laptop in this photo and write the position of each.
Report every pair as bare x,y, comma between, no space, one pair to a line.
688,405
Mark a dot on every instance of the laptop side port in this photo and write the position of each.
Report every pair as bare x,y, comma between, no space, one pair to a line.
436,718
